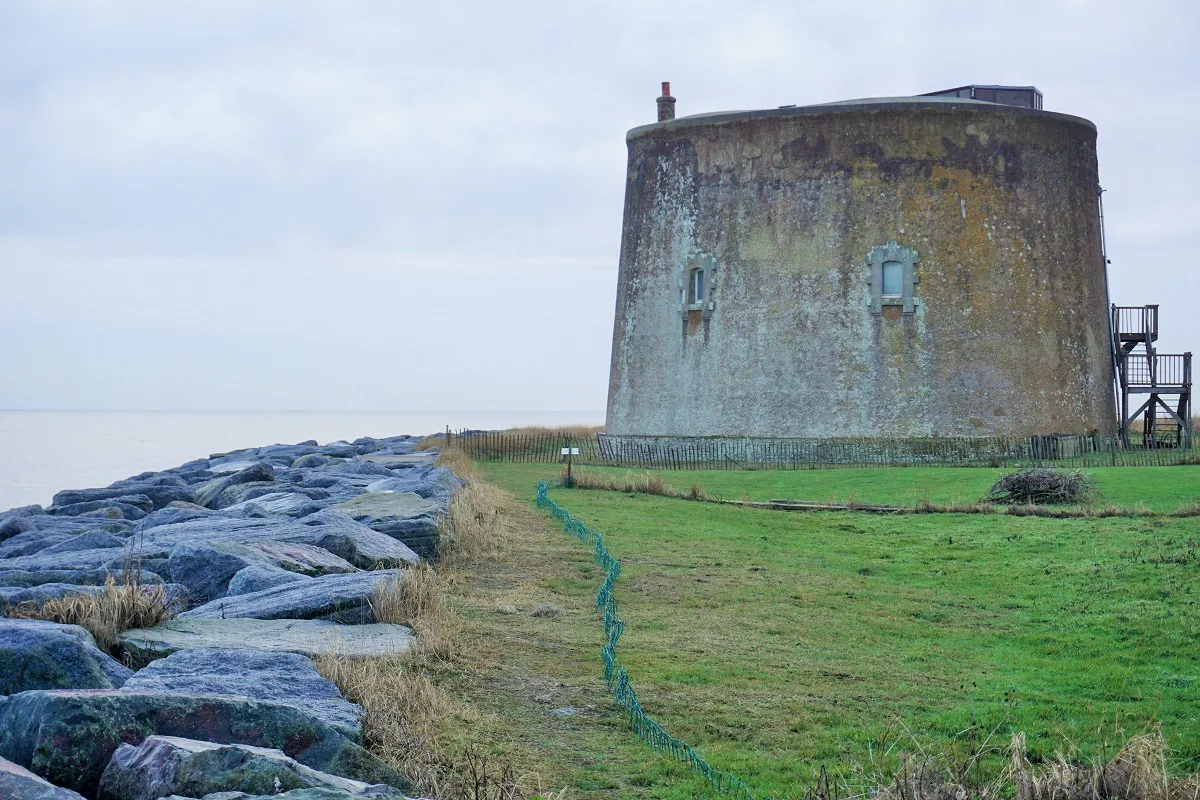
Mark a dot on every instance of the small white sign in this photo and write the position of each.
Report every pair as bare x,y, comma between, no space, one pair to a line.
570,451
574,451
566,451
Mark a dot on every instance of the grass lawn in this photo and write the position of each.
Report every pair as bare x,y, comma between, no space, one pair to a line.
777,643
1159,488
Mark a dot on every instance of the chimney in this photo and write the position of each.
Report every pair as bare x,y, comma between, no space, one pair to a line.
666,103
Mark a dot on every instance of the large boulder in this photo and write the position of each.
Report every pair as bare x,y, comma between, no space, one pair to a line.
11,524
342,598
208,567
68,737
137,505
42,593
329,530
255,473
277,503
165,764
256,578
46,655
303,636
160,490
18,783
30,542
260,675
91,540
99,558
87,577
404,516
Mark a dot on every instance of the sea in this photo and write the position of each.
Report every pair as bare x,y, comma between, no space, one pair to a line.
42,452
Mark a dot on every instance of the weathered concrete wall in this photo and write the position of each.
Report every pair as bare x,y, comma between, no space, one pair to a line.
1009,334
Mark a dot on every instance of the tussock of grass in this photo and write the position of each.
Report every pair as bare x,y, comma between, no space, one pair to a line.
1137,772
468,531
641,483
417,598
407,714
457,461
116,608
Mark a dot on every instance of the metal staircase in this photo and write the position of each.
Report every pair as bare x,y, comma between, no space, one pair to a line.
1141,370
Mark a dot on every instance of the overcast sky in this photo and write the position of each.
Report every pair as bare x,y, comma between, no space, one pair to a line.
417,206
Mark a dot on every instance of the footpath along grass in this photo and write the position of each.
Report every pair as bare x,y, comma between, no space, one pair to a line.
1159,488
777,643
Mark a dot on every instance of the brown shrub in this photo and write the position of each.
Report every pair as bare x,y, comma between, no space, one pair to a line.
116,608
471,528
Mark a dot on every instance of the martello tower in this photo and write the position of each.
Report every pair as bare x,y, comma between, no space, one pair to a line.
888,267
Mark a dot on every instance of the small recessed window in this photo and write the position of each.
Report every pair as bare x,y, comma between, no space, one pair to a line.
696,287
893,279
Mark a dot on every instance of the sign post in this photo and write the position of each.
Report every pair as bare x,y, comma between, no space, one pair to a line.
568,453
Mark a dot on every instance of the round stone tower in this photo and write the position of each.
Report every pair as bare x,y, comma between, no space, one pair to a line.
893,267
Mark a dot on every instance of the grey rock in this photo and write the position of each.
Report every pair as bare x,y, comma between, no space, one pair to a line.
30,542
138,504
92,540
175,512
46,655
72,560
306,637
43,592
163,764
12,524
257,674
160,491
291,504
342,598
68,737
546,610
94,577
18,783
77,525
404,516
206,569
255,473
312,460
256,578
335,532
358,467
424,458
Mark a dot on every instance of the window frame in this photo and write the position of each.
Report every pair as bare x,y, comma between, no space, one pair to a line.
907,258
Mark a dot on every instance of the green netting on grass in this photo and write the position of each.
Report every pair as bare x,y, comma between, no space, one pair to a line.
615,675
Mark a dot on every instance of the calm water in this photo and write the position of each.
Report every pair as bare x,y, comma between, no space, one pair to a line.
42,452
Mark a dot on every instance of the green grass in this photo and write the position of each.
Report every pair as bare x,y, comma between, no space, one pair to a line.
777,643
1158,488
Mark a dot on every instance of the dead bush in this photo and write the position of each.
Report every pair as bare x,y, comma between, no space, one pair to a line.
105,614
1042,486
459,462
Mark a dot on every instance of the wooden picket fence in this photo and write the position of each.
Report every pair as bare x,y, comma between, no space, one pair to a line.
691,453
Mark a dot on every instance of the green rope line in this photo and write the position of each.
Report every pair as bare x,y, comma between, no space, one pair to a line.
615,675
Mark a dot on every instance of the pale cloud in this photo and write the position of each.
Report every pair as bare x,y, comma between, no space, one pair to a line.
211,204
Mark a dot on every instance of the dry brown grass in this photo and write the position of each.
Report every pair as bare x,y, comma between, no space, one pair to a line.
573,430
411,720
116,608
1139,771
418,598
467,533
457,461
641,483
